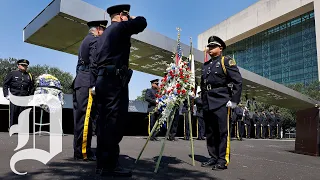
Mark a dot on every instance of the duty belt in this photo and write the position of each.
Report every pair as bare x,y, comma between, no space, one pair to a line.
83,68
209,86
111,70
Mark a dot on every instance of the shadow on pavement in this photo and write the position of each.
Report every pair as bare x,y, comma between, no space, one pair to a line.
144,169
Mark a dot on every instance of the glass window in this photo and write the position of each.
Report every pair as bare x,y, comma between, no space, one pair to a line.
285,53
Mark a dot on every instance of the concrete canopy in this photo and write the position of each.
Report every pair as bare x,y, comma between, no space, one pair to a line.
62,26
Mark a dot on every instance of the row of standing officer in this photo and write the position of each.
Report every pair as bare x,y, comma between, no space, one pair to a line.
101,88
264,124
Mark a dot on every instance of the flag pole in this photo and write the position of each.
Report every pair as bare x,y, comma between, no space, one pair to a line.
189,107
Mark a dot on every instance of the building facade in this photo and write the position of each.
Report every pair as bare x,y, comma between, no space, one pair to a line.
281,46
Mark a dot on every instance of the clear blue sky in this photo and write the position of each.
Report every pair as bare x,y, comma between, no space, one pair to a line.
194,17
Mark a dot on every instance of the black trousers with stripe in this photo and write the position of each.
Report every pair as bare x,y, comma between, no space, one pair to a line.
112,105
186,125
14,113
153,116
82,133
218,134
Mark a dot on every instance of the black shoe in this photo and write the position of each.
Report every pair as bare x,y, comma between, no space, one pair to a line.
89,158
203,138
219,167
186,138
210,162
116,172
171,139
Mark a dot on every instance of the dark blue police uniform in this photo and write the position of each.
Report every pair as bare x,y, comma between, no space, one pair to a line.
247,124
113,50
240,123
20,84
83,102
221,82
150,97
201,125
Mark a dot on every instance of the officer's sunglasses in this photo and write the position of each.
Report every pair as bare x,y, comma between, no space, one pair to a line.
24,65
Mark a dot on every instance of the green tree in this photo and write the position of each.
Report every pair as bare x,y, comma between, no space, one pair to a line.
6,66
141,97
312,89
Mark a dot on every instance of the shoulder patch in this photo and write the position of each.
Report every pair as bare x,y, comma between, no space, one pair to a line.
232,62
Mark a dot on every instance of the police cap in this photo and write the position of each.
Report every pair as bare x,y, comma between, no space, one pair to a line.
101,23
118,9
215,40
154,81
23,62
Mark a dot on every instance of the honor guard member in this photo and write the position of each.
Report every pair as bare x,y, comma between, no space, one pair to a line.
247,123
264,125
83,107
201,126
20,83
185,112
221,86
239,121
113,50
150,97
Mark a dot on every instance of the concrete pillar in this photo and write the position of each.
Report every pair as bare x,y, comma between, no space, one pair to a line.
307,132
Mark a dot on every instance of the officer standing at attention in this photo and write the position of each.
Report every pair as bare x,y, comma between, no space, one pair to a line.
82,95
201,126
112,57
221,87
150,97
20,83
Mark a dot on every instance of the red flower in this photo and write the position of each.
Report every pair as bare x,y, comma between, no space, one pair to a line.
178,91
183,91
178,85
186,81
181,77
187,76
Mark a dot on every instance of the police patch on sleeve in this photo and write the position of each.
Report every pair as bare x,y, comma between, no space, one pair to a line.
232,62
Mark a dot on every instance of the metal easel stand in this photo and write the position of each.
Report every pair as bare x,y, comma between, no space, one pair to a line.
41,124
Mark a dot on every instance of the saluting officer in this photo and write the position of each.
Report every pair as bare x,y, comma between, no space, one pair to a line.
82,95
150,97
20,83
221,86
113,50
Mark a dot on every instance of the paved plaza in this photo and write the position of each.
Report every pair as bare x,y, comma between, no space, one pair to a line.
250,160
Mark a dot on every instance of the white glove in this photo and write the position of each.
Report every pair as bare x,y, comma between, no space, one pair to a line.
8,98
268,125
255,125
231,104
93,90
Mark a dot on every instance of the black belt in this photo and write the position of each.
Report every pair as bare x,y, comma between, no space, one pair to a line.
112,70
83,68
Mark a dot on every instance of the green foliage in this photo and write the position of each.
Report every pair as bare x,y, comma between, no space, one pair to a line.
10,64
311,89
6,66
141,97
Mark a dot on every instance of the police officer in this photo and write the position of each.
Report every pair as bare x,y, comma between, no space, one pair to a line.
247,123
257,124
20,83
82,94
201,126
221,86
150,97
185,112
112,56
272,122
264,125
239,122
174,126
